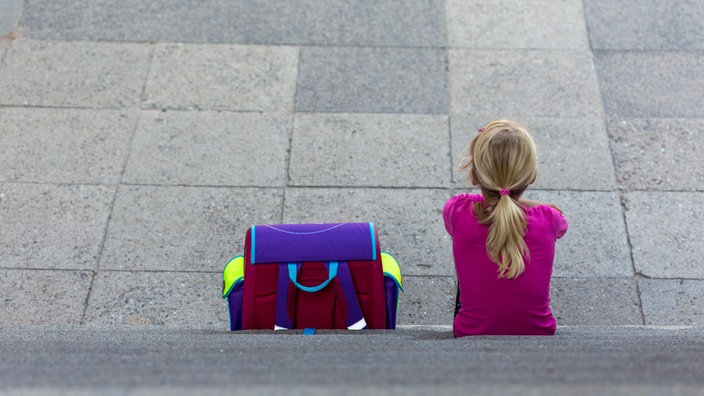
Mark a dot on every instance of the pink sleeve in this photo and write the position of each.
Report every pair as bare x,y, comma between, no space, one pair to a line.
560,223
447,214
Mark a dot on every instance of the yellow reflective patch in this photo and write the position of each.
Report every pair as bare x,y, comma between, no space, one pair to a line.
391,268
233,273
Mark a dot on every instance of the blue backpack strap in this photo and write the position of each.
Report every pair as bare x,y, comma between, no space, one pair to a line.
355,318
341,271
282,321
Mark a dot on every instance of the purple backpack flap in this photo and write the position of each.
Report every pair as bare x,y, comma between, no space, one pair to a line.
322,276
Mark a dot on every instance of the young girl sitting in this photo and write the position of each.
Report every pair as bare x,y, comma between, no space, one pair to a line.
503,245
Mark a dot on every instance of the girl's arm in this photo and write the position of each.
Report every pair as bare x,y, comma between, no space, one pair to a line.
530,203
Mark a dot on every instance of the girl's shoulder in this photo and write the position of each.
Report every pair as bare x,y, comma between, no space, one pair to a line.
466,198
549,215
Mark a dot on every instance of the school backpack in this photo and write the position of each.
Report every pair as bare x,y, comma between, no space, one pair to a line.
312,276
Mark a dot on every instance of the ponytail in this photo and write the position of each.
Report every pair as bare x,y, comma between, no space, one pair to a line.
502,160
504,243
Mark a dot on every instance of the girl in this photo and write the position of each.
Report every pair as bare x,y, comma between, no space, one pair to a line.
503,245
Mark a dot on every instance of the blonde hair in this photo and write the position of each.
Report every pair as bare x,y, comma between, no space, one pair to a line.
502,158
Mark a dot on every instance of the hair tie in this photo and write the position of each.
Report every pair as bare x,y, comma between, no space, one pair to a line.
504,191
481,129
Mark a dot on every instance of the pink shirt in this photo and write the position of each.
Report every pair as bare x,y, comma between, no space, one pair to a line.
490,305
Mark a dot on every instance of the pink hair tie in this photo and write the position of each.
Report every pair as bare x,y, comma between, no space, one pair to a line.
504,191
481,130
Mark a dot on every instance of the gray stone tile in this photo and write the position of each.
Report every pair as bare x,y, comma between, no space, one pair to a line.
64,145
658,154
596,243
32,297
222,77
427,300
652,84
665,231
52,226
509,84
183,299
573,153
645,24
370,150
11,10
409,222
372,80
80,74
512,24
184,228
672,302
595,301
335,22
209,148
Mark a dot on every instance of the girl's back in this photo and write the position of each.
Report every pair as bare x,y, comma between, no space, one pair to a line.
503,245
493,305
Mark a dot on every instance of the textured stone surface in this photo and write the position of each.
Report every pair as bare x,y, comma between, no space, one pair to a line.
52,226
596,243
32,297
337,22
184,299
658,154
11,10
506,84
409,222
651,84
645,24
184,228
209,148
595,301
573,153
672,302
427,300
370,150
73,74
372,80
64,145
512,24
222,77
665,231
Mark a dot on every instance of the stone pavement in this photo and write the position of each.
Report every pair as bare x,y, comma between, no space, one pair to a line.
160,360
139,140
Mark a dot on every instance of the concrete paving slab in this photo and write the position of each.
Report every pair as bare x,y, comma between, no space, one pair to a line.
427,300
161,228
222,77
210,148
645,25
512,24
665,231
372,80
672,301
10,15
64,145
48,226
72,74
40,297
596,243
390,150
160,360
658,154
595,301
409,222
338,22
507,84
651,83
184,299
573,153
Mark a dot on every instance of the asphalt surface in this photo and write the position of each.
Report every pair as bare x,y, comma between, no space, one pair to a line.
411,360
